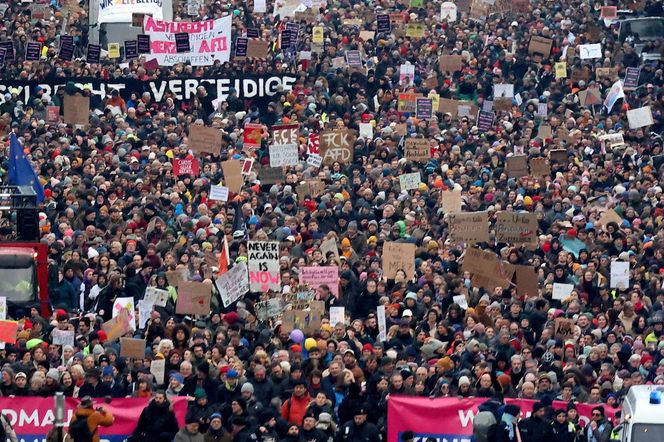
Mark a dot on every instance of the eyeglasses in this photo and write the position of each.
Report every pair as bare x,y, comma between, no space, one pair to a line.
596,414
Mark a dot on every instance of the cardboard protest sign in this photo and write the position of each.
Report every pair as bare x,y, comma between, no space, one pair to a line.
8,331
561,70
526,281
271,175
329,246
558,156
76,109
175,277
155,296
640,117
314,277
517,166
450,200
609,216
233,178
193,298
516,228
468,227
407,103
257,48
610,73
233,284
132,348
410,181
608,12
398,256
185,166
337,145
263,260
417,149
564,328
539,167
590,97
117,326
498,275
204,139
312,188
450,63
620,275
540,46
478,261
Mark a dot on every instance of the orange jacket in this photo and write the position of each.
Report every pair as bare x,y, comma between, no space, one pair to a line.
95,419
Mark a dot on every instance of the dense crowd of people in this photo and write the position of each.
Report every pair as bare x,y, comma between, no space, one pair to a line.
116,219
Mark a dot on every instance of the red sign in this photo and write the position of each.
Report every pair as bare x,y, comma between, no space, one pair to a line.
188,166
314,144
8,331
452,418
253,134
53,114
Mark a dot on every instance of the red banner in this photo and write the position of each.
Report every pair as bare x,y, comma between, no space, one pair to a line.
186,166
452,418
32,419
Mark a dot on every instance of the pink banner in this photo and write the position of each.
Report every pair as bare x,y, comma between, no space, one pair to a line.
452,418
32,418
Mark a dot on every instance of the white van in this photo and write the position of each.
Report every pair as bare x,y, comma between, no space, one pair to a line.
642,416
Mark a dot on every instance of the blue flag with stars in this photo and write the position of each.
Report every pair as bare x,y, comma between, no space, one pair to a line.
21,172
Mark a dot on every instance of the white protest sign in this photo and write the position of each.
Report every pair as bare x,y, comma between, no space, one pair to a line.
640,117
158,370
337,315
3,314
461,301
503,90
283,155
410,181
264,272
260,6
144,311
562,291
314,160
448,11
619,274
121,12
218,193
125,303
209,41
233,284
382,326
63,337
590,51
155,296
366,131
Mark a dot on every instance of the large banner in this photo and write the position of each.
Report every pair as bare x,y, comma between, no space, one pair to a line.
120,11
447,419
247,87
209,41
32,419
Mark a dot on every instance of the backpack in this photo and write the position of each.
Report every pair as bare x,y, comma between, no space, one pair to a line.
79,430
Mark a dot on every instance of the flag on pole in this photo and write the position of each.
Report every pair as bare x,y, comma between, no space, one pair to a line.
223,257
21,172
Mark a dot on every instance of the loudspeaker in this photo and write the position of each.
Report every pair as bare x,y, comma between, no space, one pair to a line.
27,225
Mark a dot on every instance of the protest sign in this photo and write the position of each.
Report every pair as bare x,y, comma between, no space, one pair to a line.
329,246
155,296
448,11
53,114
8,331
561,70
407,103
424,108
517,166
312,188
382,326
620,274
366,131
609,216
241,47
185,166
158,370
257,48
516,228
218,193
271,175
406,74
540,46
415,29
410,181
609,73
63,337
558,156
131,49
208,41
264,273
337,145
526,281
175,277
33,51
631,81
233,178
640,117
144,312
450,63
143,44
398,256
337,316
485,120
479,261
283,155
383,23
253,135
417,149
314,277
539,167
285,133
461,301
562,291
193,298
117,326
564,328
450,200
132,348
204,139
93,54
468,227
590,51
608,12
76,109
233,284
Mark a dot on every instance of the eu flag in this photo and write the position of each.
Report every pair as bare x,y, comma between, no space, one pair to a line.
21,172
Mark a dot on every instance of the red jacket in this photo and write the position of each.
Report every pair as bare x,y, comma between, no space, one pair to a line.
294,409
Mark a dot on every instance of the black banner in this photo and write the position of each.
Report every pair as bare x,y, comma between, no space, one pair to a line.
247,87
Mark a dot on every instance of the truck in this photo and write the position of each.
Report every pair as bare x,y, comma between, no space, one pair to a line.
23,258
642,415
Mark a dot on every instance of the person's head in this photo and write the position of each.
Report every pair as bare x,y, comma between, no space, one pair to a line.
309,422
360,416
299,389
561,415
215,421
597,414
160,397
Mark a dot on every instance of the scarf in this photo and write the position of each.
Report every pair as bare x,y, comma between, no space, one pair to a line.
508,420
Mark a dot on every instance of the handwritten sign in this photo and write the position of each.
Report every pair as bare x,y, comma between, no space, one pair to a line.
185,166
640,117
204,139
516,228
193,298
233,178
158,370
561,291
398,256
233,284
417,149
264,272
468,227
337,315
564,328
283,155
132,348
271,175
620,274
314,277
76,109
63,337
218,193
410,181
450,200
517,166
337,146
117,326
539,167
